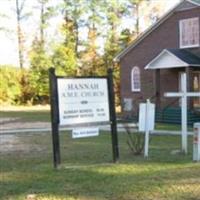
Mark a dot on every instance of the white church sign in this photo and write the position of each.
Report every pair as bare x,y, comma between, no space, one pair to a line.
146,116
183,94
83,100
146,122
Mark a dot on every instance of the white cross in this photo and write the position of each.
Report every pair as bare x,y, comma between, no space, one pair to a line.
183,94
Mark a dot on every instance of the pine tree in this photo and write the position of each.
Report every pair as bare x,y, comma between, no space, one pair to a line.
92,63
40,61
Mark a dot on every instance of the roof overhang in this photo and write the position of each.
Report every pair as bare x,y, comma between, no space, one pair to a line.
150,29
194,2
168,60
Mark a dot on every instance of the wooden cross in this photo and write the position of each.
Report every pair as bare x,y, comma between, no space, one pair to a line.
183,94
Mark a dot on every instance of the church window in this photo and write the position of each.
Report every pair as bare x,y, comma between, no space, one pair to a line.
189,33
135,79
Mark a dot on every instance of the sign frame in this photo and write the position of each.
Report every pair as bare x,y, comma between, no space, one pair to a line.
55,121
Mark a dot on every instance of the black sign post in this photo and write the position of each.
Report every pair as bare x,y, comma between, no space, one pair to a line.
113,120
55,115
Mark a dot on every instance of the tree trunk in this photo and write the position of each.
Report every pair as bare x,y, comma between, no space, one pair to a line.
42,22
19,36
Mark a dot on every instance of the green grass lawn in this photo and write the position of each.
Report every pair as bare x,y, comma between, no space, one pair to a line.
27,115
170,127
87,171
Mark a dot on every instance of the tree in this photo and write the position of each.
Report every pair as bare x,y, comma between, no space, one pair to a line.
134,10
73,12
20,15
125,38
114,13
39,59
42,19
46,13
115,10
40,63
92,62
64,60
154,10
65,54
145,12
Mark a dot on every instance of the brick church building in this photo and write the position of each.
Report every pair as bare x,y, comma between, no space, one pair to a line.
152,64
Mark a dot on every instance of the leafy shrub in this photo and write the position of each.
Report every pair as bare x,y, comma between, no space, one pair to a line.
135,141
10,90
15,85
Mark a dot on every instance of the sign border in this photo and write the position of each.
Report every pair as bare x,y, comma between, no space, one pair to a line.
53,90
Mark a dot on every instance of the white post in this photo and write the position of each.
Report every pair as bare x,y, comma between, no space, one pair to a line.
146,144
184,112
196,142
183,95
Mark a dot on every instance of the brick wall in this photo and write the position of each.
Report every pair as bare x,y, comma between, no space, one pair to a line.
163,37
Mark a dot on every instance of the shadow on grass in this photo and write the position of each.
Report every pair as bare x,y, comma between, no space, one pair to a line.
104,182
83,176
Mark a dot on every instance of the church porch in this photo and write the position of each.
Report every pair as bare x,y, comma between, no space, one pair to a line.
168,66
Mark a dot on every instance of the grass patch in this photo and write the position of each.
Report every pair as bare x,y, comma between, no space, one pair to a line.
42,114
171,127
27,115
87,171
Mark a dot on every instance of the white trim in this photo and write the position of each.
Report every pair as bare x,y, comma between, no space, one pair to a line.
182,63
195,3
189,46
133,89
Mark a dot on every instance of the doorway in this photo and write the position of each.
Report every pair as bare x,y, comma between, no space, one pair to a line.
196,88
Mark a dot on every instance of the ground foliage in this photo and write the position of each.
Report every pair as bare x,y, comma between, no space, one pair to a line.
10,88
87,171
84,44
135,140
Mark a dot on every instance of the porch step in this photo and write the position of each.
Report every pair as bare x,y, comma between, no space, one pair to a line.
173,115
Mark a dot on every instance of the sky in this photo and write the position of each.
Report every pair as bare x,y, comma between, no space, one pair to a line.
8,39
